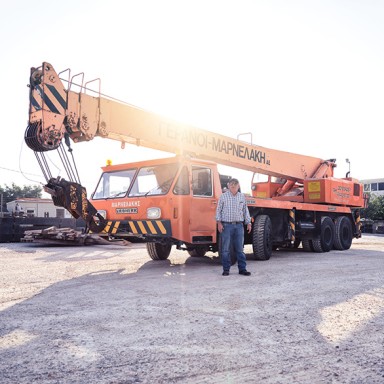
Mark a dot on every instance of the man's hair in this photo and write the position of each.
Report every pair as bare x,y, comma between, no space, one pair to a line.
233,181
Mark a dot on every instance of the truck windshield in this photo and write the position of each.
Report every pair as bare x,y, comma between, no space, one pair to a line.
114,184
154,180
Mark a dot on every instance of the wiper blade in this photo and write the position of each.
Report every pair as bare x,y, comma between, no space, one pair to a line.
166,184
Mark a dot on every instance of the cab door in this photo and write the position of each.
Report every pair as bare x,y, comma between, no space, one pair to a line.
203,205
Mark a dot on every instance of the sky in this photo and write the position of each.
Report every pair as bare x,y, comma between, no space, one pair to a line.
303,76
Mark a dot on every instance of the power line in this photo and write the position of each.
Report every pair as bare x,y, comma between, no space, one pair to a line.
14,170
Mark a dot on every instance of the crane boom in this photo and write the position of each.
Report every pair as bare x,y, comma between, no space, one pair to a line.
57,113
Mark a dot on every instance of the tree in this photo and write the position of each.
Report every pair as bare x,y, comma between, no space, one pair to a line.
15,192
375,209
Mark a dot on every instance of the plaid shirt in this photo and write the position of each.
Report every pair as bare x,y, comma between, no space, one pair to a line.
232,208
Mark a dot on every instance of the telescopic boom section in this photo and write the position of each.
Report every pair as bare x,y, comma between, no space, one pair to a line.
56,112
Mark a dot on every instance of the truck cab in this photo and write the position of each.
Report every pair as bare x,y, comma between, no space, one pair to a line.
171,201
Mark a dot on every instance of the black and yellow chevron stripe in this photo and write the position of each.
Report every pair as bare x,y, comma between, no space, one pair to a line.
53,99
139,227
292,224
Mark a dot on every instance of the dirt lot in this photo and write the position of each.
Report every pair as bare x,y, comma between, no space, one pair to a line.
109,314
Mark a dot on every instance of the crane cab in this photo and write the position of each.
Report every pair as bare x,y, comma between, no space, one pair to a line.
266,186
172,199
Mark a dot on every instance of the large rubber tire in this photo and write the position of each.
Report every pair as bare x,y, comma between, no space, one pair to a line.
343,233
262,238
316,245
197,252
307,245
158,251
232,253
327,235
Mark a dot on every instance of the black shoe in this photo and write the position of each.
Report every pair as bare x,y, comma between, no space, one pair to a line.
245,273
225,273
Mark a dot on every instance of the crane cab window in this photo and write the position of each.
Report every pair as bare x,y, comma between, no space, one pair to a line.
114,184
201,181
262,178
154,180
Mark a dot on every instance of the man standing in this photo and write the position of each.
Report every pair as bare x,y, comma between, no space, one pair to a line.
231,215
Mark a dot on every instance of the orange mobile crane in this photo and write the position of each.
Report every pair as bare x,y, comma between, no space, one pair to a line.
172,201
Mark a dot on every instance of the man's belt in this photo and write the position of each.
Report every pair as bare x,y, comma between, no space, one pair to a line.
233,222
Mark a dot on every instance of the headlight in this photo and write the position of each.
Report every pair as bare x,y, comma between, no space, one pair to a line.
103,213
153,213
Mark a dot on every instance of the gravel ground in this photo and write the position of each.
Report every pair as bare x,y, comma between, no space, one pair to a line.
109,314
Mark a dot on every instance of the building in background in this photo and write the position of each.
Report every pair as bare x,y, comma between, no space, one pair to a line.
28,214
374,186
33,207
